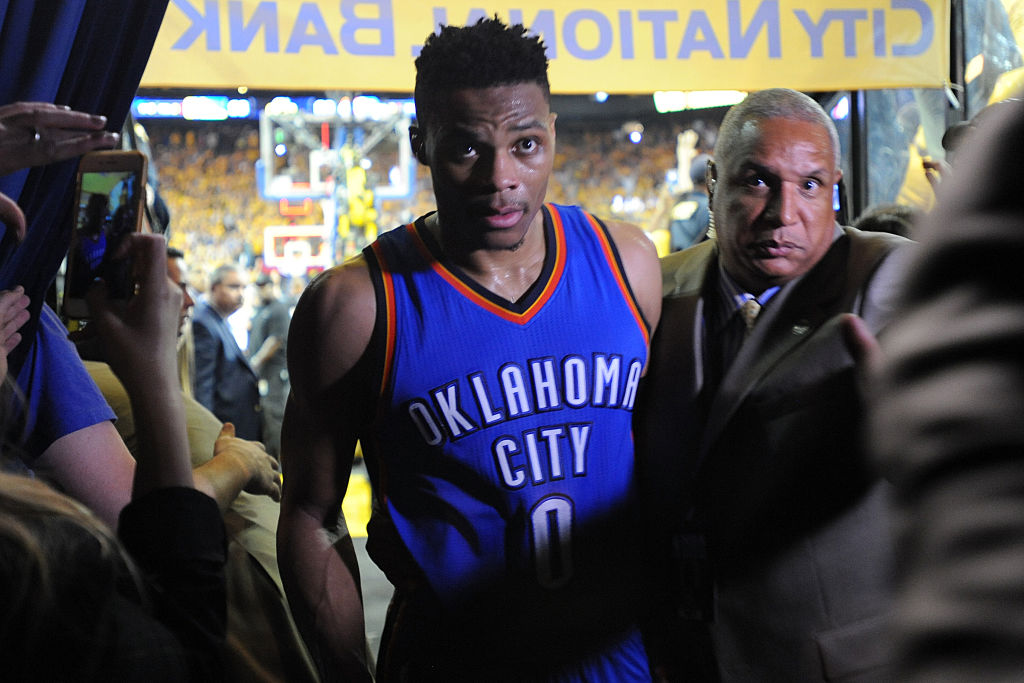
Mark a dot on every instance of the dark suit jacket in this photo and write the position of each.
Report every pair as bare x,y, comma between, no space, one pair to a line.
775,479
225,383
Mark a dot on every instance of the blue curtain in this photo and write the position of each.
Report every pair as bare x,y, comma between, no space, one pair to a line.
89,55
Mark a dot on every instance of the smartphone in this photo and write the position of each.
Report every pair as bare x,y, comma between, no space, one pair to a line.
110,198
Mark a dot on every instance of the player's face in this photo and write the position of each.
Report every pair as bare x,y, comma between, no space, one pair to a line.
772,200
490,153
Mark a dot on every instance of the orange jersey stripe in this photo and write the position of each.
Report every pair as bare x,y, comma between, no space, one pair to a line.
620,277
389,316
472,295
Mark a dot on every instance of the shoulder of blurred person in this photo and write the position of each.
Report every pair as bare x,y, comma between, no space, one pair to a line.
946,420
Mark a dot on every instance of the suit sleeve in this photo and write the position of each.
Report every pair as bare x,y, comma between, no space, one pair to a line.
948,427
207,357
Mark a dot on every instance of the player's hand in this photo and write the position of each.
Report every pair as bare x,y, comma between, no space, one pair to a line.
263,471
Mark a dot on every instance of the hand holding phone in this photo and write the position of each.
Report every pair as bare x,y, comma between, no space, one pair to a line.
110,196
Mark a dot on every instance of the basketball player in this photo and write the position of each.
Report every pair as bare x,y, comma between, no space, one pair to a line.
487,358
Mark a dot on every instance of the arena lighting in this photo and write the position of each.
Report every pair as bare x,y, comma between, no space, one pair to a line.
367,108
144,108
239,108
841,109
345,108
601,96
324,107
674,100
204,108
281,105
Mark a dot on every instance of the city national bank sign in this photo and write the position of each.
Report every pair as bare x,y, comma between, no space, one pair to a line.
629,46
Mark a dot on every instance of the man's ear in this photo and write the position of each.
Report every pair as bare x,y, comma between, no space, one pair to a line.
417,144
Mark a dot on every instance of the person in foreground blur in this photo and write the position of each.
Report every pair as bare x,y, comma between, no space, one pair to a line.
749,423
150,604
225,382
487,358
947,421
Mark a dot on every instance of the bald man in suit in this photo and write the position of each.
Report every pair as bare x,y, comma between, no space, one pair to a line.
774,523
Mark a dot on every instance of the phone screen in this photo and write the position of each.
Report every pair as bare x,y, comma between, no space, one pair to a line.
108,209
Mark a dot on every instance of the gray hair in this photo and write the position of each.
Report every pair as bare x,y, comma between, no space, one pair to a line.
775,103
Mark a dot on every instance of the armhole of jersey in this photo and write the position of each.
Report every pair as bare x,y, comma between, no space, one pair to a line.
615,263
379,352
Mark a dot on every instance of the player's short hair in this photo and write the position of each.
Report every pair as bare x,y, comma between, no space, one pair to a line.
486,54
774,103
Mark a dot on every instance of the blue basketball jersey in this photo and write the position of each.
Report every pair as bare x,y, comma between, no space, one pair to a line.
504,437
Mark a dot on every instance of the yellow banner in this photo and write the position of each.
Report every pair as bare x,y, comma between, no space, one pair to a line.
636,46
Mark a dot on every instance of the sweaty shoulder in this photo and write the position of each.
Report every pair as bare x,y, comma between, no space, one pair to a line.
640,260
331,326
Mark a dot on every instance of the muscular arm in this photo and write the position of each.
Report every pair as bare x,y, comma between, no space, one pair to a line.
640,260
330,330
